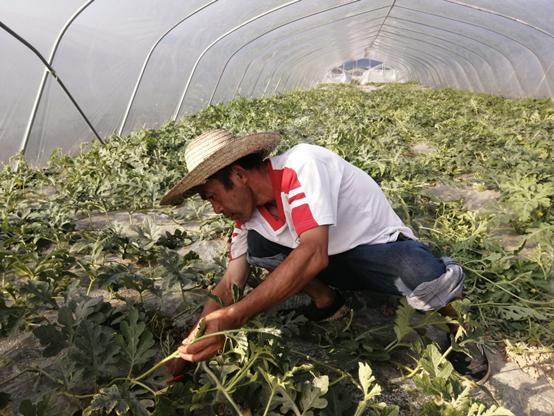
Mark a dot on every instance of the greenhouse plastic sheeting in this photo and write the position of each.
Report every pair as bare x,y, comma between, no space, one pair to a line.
195,53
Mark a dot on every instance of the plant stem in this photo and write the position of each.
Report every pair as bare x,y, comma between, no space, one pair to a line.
144,386
158,365
337,370
176,353
371,330
47,375
269,402
243,370
77,396
533,302
89,288
221,388
15,376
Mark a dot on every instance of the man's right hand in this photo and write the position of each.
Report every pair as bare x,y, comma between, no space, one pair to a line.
237,272
176,366
217,321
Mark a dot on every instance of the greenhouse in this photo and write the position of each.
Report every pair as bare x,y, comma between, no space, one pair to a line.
215,207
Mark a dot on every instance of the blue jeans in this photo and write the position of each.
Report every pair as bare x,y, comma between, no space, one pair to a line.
395,268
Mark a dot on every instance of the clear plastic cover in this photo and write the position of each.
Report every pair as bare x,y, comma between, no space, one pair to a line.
200,52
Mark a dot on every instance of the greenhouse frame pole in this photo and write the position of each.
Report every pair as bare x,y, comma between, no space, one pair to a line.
55,76
448,51
330,23
243,75
399,62
234,29
405,55
31,121
269,31
465,22
147,60
471,38
505,16
356,14
311,52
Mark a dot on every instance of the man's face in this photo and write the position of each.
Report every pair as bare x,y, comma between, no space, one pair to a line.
237,203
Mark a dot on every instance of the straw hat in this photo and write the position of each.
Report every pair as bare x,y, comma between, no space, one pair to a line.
212,151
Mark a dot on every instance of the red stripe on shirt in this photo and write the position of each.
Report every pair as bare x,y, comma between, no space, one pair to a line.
276,182
303,219
289,180
283,181
296,197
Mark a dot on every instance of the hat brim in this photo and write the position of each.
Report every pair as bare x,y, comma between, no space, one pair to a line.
242,146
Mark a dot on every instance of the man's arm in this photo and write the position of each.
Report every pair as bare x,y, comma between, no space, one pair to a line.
299,268
237,272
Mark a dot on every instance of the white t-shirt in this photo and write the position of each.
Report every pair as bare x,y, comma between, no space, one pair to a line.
314,186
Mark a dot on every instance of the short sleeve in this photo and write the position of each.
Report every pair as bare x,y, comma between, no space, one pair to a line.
313,189
238,244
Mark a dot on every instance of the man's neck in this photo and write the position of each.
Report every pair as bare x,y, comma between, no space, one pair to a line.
272,209
261,185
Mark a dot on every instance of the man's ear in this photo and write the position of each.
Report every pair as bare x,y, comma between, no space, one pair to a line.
241,174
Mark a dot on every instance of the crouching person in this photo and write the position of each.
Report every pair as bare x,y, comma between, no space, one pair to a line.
318,224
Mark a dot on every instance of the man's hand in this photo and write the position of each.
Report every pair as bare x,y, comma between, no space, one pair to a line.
216,321
176,366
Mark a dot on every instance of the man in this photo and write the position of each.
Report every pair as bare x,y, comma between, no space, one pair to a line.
314,221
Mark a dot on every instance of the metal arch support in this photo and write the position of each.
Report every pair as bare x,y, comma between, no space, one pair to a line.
538,58
366,34
439,79
382,24
401,65
242,78
325,24
507,58
234,29
335,44
505,16
267,32
448,51
47,70
485,61
332,22
406,55
147,60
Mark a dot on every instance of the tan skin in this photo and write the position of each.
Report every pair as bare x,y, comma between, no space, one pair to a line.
252,189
